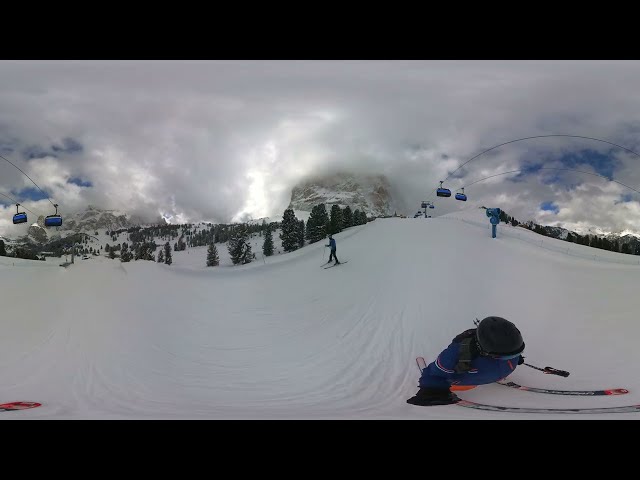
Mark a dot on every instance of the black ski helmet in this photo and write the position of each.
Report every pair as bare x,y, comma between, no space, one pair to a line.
498,336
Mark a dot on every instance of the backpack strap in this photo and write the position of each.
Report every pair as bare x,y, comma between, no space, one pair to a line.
468,350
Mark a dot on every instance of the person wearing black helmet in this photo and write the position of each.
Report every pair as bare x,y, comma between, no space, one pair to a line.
478,356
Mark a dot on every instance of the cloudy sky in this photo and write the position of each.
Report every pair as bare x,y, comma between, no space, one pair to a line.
225,140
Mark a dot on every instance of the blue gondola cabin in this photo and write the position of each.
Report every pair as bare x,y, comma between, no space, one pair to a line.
53,221
443,192
20,217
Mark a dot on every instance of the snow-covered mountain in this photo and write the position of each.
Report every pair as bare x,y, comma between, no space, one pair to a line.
626,237
90,220
550,231
371,193
96,219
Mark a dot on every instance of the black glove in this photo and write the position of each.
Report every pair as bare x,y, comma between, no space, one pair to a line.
521,361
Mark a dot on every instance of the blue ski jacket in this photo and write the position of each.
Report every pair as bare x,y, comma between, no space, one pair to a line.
484,369
332,243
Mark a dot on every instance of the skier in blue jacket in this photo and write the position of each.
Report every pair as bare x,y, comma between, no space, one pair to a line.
332,244
478,356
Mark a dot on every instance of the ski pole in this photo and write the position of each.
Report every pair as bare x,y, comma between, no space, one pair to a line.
550,370
324,250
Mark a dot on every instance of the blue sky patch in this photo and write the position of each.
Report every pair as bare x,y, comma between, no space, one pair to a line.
624,198
35,151
552,177
69,146
549,207
30,193
601,163
526,170
81,183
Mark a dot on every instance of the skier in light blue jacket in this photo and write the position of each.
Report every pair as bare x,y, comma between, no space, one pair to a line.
332,244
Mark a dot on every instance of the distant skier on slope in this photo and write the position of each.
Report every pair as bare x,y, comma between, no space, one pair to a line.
332,244
477,356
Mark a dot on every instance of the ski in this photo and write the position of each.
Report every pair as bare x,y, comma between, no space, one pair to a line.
498,408
422,364
8,407
336,264
586,393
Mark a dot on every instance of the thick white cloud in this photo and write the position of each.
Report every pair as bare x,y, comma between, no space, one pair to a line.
225,140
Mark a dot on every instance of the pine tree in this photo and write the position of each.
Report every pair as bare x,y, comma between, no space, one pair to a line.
356,218
125,254
289,235
301,234
212,256
317,223
142,251
150,251
347,217
267,246
112,254
335,224
238,246
3,251
167,254
161,256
